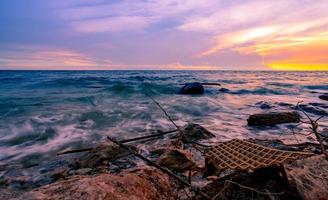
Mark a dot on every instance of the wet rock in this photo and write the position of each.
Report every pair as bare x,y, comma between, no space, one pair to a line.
192,88
197,132
273,118
224,90
176,160
101,153
283,104
263,105
307,176
324,97
142,184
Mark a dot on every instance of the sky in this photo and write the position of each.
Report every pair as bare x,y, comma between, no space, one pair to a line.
164,34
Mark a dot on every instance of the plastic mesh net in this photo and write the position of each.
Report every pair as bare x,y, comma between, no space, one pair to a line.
244,155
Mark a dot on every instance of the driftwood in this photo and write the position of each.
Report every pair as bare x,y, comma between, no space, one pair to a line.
165,170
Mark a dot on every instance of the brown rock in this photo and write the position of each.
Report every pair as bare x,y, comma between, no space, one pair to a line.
197,132
143,184
309,177
176,160
273,118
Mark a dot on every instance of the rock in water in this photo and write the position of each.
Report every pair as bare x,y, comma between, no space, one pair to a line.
324,97
143,184
197,132
176,160
272,118
192,88
224,90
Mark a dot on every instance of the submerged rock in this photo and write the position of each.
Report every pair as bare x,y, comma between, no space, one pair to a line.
264,105
273,118
308,177
103,152
142,184
197,132
224,90
324,97
192,88
176,160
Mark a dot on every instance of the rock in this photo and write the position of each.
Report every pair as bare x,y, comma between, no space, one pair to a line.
197,132
192,88
82,171
324,97
101,153
176,160
142,184
224,90
236,186
307,176
263,105
272,118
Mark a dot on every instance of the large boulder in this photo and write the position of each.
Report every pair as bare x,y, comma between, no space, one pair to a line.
324,97
196,132
142,184
177,160
273,118
192,88
309,177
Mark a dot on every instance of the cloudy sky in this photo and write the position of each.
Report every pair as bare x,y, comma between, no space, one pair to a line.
164,34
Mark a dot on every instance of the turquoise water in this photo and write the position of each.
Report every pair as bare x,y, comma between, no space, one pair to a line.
42,112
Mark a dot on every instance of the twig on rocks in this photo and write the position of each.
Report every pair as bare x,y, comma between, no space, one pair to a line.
314,128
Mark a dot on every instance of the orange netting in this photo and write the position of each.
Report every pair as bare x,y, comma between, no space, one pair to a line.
244,155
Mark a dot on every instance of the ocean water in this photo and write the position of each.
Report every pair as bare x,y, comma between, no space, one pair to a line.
43,112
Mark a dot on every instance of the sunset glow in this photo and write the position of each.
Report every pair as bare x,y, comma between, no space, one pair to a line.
210,34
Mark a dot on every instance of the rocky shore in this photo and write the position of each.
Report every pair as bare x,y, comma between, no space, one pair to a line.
108,171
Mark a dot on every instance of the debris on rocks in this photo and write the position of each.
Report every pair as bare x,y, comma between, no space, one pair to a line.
273,118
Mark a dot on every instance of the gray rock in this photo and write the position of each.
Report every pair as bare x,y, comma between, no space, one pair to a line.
273,118
192,88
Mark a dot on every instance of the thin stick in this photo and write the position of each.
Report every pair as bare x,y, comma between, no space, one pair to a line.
314,127
181,133
123,141
148,136
165,170
74,151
